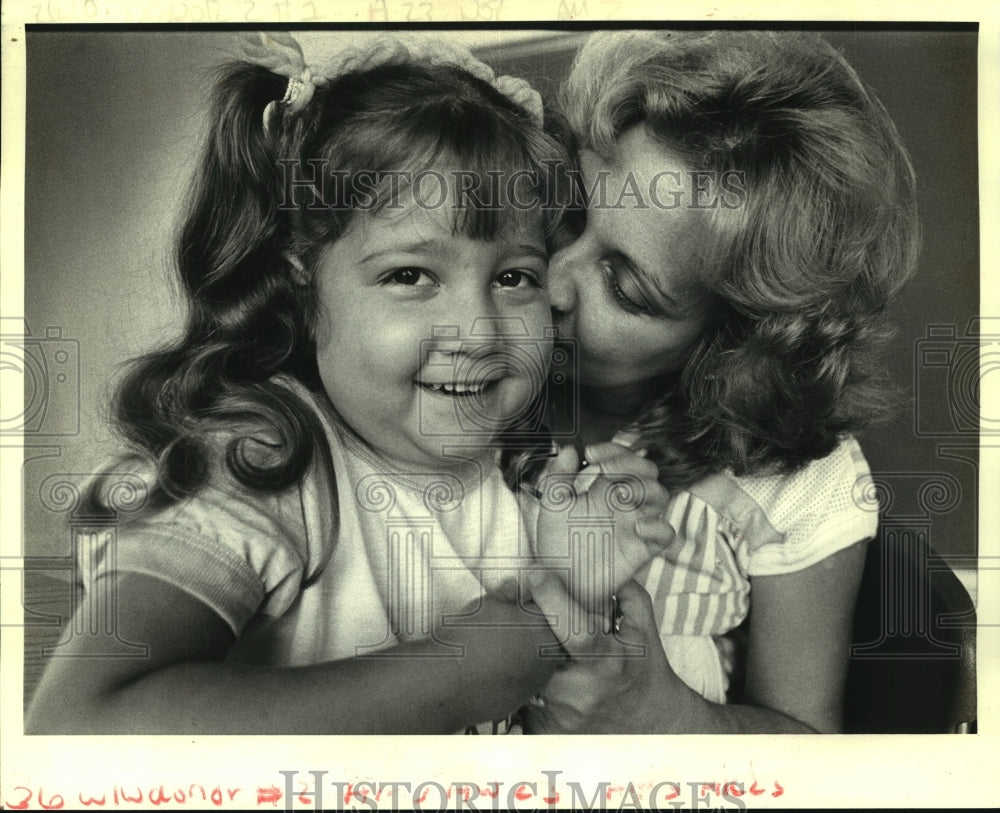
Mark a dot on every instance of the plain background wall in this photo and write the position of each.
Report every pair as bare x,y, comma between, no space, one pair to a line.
113,126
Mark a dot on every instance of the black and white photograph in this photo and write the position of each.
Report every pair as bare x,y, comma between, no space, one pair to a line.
380,377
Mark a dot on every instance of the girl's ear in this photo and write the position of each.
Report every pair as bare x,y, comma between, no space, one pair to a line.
299,273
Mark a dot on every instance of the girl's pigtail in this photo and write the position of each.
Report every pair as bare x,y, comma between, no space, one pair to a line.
248,317
235,202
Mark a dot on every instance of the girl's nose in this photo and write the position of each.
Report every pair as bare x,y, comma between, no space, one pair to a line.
562,285
469,312
470,326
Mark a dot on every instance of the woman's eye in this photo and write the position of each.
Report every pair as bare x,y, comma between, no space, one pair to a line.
628,296
516,278
409,276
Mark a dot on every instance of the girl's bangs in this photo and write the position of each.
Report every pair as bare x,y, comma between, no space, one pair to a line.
489,190
487,164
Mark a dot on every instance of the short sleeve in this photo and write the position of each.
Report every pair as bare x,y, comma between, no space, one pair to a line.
814,512
242,553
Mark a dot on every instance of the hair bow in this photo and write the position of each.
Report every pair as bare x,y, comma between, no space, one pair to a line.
280,53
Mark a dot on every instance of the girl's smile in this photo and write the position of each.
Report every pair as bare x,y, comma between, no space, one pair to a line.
458,390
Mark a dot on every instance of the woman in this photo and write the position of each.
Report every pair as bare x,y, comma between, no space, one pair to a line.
750,213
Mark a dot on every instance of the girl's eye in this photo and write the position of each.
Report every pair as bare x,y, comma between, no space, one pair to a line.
409,276
516,278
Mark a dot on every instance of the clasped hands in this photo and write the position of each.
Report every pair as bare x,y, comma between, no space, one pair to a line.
598,525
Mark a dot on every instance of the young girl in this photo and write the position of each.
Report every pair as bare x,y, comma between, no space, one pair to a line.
368,327
751,214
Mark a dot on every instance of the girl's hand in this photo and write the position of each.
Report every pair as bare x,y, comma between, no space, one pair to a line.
599,525
623,685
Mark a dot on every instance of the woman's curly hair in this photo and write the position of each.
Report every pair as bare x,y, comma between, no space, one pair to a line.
801,272
250,316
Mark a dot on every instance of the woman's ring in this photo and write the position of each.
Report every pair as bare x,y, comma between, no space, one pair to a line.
616,614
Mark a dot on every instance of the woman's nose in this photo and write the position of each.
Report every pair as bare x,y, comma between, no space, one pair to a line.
562,286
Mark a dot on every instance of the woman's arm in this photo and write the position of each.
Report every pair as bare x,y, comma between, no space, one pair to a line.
800,639
185,686
798,649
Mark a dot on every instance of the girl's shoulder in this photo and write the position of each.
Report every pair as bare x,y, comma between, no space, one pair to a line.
236,548
222,505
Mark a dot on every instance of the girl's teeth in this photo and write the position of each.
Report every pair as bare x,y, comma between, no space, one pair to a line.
461,389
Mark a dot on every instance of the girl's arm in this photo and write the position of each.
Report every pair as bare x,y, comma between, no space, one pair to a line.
798,649
184,685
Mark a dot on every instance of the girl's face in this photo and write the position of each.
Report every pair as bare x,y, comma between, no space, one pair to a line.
623,290
428,338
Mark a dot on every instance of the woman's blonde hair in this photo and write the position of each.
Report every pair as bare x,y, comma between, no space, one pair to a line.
802,270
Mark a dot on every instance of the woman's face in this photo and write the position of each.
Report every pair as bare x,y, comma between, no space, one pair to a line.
624,289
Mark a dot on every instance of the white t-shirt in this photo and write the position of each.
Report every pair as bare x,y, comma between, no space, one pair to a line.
336,565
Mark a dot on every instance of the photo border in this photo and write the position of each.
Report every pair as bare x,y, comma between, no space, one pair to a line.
799,771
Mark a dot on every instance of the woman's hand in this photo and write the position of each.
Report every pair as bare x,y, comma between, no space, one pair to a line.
623,685
599,525
796,666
